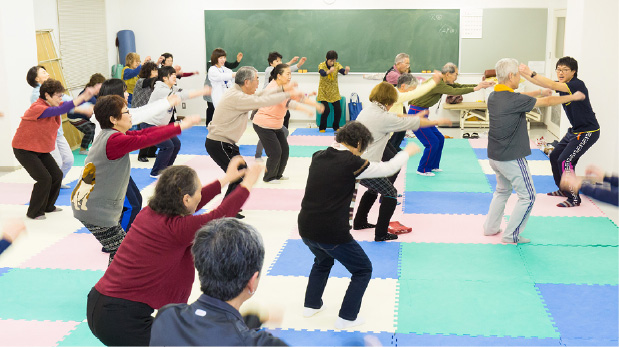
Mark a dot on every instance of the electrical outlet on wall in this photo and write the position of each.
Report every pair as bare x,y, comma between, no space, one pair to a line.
183,106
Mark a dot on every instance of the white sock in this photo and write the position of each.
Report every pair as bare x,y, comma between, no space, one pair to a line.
342,323
308,312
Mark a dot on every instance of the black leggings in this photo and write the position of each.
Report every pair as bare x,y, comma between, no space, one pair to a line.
337,114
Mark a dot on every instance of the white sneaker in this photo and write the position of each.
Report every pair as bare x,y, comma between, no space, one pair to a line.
83,151
429,174
153,176
65,186
342,323
308,311
259,160
437,170
284,178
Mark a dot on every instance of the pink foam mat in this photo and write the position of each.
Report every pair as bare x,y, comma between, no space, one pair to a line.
274,199
546,206
296,140
432,228
15,193
207,169
483,143
33,333
74,252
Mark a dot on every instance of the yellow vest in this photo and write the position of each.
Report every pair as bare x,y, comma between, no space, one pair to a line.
130,82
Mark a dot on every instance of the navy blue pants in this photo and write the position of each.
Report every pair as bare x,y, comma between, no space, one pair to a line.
354,259
432,141
168,150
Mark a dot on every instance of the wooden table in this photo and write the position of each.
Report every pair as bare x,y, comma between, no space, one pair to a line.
469,110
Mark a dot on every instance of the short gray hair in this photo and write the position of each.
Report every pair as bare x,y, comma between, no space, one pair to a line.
227,253
400,57
245,73
407,79
449,68
504,67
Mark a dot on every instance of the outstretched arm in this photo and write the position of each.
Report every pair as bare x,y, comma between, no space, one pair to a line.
542,81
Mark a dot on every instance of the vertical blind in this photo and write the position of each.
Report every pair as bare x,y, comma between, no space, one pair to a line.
83,40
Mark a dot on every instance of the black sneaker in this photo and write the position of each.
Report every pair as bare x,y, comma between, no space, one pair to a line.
239,216
386,237
143,159
362,226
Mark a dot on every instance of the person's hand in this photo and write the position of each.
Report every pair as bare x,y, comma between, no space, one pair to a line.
293,60
233,74
86,110
437,76
569,181
251,175
206,90
595,174
525,70
310,113
295,94
160,60
174,100
346,70
178,69
89,92
578,96
12,229
444,121
301,61
483,85
320,108
146,60
412,149
1,114
546,92
190,121
331,70
233,172
196,72
290,86
422,113
239,56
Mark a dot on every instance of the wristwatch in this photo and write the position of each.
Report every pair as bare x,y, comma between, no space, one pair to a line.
533,74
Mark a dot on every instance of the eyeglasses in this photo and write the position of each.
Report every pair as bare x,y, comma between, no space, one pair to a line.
126,112
563,70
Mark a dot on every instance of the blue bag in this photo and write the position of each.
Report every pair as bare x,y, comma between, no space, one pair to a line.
354,106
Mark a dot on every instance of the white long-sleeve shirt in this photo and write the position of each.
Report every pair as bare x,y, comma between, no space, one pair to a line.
221,79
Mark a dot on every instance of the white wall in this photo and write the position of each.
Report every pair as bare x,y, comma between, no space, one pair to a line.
17,54
591,36
184,36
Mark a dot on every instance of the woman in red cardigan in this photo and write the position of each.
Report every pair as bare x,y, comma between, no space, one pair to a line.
35,138
153,266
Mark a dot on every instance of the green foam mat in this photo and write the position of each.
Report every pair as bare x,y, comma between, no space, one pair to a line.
78,159
447,181
571,265
456,159
478,262
305,151
80,336
46,294
572,231
472,308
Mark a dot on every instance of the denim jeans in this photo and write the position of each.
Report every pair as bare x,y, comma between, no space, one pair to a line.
354,259
168,150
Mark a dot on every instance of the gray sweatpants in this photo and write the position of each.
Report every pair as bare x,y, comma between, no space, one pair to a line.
510,174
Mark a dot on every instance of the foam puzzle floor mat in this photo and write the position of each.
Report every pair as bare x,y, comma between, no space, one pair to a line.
444,283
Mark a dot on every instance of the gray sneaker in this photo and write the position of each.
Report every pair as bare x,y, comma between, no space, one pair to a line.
490,233
520,240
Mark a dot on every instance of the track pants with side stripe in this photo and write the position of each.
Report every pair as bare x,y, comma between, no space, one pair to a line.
511,174
566,154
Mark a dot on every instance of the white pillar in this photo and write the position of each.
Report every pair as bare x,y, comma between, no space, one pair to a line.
18,52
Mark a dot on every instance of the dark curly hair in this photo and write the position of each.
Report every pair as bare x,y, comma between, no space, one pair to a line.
113,86
331,55
355,134
147,69
174,182
95,79
108,106
273,57
51,87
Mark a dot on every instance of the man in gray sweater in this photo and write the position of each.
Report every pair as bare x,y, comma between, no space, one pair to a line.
231,115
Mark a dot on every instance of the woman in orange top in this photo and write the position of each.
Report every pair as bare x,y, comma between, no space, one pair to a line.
268,123
35,138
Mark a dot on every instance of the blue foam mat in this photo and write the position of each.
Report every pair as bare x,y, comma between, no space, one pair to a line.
466,340
82,230
447,202
312,132
329,337
569,304
542,183
296,260
4,270
142,178
64,197
536,154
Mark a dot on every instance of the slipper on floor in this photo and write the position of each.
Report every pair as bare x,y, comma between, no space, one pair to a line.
397,231
399,226
466,135
474,135
448,137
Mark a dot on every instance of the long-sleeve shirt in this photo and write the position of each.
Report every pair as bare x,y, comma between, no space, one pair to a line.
599,192
230,117
381,124
207,82
221,80
39,125
328,89
130,76
418,92
434,95
392,75
4,244
162,91
154,264
272,117
140,114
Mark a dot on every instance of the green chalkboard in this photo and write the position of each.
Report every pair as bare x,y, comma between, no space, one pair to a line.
366,40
